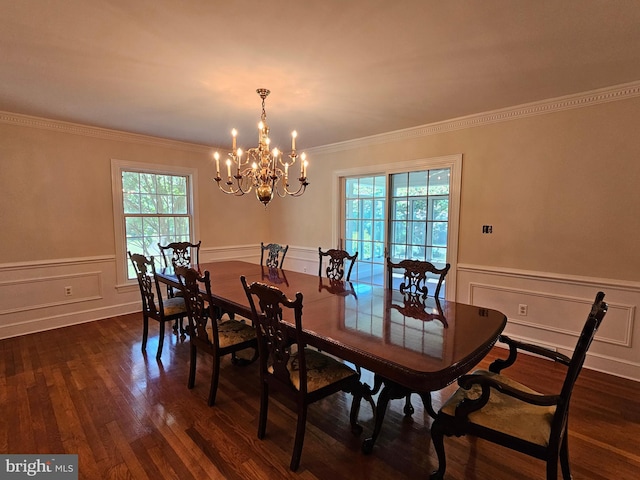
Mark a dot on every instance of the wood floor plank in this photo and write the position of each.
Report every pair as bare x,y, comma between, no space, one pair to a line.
90,390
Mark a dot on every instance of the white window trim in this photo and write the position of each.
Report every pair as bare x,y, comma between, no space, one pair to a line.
117,167
453,162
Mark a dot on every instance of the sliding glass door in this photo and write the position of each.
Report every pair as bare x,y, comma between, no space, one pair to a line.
403,215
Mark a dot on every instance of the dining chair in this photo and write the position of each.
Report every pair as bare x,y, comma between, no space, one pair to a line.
184,254
208,335
494,407
414,286
153,305
275,254
289,365
336,267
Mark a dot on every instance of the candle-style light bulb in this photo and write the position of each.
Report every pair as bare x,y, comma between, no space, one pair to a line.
229,168
217,157
234,134
294,134
303,165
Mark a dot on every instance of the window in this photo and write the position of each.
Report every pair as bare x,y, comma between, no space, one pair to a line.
404,210
152,204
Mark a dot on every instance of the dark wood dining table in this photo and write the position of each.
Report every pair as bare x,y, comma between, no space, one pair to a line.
414,348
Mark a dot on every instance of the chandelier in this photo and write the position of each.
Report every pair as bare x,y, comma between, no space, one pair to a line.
262,168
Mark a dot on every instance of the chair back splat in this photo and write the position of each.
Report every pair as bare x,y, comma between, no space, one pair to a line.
303,373
275,254
492,406
337,259
184,254
416,276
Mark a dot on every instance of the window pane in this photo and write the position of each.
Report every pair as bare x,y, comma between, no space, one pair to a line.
351,188
440,209
417,183
148,204
399,185
130,182
179,205
439,182
131,202
182,227
367,209
352,209
351,230
133,226
147,183
380,188
439,233
400,210
164,184
419,209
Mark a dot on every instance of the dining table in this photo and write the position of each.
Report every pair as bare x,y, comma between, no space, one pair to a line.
413,345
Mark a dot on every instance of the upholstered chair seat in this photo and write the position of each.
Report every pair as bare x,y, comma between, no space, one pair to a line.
322,370
232,332
506,414
174,306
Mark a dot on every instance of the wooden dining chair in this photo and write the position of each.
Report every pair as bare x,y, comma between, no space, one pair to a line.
153,304
337,260
414,286
288,365
494,407
275,254
208,335
184,254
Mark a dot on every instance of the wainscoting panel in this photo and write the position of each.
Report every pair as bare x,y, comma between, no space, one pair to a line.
37,296
550,310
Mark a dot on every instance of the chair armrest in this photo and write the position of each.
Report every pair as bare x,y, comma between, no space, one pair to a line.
515,345
469,405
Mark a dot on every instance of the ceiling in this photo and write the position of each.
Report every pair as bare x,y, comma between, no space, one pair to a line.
337,69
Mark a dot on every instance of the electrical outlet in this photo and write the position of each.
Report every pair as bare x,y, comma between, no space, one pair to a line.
522,309
304,269
68,291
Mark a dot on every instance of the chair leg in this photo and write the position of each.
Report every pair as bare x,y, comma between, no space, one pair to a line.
215,375
145,331
426,401
160,341
408,408
552,468
564,457
300,429
437,438
193,351
381,410
264,407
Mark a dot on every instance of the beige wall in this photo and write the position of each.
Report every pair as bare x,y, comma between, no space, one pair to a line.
56,194
560,189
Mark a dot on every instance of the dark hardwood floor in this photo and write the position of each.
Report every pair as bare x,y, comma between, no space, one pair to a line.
88,389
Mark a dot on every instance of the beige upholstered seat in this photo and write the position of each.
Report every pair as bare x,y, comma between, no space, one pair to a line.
506,414
322,370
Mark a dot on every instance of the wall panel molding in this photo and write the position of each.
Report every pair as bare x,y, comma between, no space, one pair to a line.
557,306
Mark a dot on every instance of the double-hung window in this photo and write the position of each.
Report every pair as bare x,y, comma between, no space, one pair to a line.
152,204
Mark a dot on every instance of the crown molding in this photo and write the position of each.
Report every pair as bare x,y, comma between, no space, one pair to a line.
543,107
98,132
